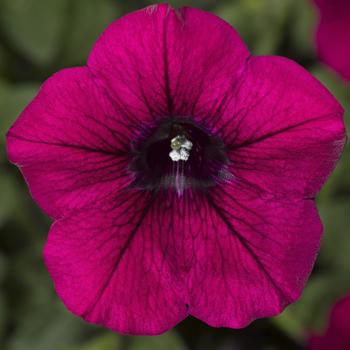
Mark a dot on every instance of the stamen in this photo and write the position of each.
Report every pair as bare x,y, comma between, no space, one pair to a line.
197,158
180,148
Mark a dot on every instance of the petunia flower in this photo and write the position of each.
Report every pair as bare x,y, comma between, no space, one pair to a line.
337,334
181,173
332,36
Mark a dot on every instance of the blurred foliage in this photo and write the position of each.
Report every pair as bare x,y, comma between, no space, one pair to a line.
39,37
266,22
34,26
13,98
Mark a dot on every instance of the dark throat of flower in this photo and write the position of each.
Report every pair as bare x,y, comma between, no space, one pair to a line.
178,154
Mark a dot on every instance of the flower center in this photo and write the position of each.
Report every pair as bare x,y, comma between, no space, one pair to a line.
180,148
178,154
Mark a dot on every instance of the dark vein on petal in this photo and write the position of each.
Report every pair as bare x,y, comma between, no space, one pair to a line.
247,247
166,68
280,131
79,147
130,239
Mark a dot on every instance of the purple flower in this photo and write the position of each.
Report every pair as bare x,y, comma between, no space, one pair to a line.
181,173
337,334
333,34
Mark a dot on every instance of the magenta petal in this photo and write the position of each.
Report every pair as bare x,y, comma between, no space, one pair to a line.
162,61
67,144
255,260
332,36
112,265
337,336
228,235
331,342
287,132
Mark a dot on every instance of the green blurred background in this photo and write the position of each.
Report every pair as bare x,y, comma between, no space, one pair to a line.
40,37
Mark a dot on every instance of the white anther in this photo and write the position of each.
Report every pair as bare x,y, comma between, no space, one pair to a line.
184,154
180,148
187,144
175,156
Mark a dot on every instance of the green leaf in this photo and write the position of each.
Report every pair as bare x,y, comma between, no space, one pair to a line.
303,28
89,18
260,23
13,99
8,198
169,341
335,246
107,341
42,322
2,60
2,315
110,341
34,26
3,268
53,328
